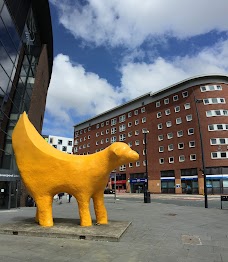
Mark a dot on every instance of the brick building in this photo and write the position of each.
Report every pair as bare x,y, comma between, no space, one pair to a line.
26,59
188,136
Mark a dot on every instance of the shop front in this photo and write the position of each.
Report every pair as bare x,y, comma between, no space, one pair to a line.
189,185
217,184
9,189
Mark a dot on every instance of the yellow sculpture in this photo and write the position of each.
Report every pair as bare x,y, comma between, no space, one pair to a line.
47,171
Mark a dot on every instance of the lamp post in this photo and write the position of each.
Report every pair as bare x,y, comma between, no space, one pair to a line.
202,152
146,192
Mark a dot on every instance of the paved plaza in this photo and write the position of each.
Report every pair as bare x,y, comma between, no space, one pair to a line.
157,232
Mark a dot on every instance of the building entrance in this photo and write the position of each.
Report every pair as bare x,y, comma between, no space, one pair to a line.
9,197
189,187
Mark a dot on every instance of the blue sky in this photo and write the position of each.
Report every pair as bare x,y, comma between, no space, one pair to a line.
107,52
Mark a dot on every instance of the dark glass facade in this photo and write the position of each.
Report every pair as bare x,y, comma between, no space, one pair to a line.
25,54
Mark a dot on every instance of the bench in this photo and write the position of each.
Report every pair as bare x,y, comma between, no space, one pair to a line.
223,198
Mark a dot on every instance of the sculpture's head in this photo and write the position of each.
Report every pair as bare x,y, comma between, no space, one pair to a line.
123,154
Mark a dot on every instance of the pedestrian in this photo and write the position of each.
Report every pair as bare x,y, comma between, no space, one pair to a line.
70,196
60,195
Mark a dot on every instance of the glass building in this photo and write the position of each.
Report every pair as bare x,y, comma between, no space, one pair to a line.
26,57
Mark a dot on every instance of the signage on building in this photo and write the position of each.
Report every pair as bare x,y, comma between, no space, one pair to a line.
9,175
138,180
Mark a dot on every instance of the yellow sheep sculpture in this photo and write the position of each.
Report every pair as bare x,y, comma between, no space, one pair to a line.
47,171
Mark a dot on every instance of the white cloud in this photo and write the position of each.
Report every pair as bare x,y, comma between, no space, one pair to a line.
131,22
139,78
74,91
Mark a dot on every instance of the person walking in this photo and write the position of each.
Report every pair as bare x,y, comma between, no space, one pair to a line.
70,196
60,195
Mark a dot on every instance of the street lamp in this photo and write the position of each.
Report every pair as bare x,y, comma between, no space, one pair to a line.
202,152
146,192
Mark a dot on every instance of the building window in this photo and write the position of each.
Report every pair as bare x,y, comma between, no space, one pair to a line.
130,144
107,140
144,120
129,114
160,126
51,140
168,123
137,163
218,127
189,118
64,148
220,112
97,134
170,147
170,135
210,88
177,109
175,98
161,161
122,168
107,123
192,144
60,141
102,124
190,131
88,145
136,122
136,142
113,139
113,130
193,157
181,158
88,136
178,121
122,137
107,131
160,138
171,159
143,110
136,112
161,149
158,104
166,101
180,133
102,133
129,124
159,114
219,141
136,132
181,146
84,138
97,126
122,128
89,128
122,118
80,131
167,112
113,121
102,141
130,134
185,94
210,101
219,155
70,143
130,165
97,143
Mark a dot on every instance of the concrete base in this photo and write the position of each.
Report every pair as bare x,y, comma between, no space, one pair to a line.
67,228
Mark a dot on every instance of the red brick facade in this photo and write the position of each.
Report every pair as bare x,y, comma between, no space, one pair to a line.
178,138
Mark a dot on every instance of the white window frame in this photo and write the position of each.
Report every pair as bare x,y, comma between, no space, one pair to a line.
143,109
161,149
177,109
144,120
170,147
161,161
169,135
194,144
113,121
136,122
136,132
137,142
159,114
166,101
189,131
122,137
180,146
160,126
178,120
192,157
181,158
137,163
175,98
189,118
122,118
171,159
113,139
160,137
169,123
215,127
158,103
185,94
129,114
136,112
207,88
167,112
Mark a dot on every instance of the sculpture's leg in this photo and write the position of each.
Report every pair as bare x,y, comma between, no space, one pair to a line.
37,215
99,207
84,212
44,211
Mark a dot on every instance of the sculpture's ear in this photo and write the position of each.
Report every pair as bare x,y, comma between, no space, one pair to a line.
117,150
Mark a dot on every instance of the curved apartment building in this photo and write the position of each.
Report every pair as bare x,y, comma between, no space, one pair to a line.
186,128
26,57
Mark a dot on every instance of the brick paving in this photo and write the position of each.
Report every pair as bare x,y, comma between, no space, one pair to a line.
159,232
